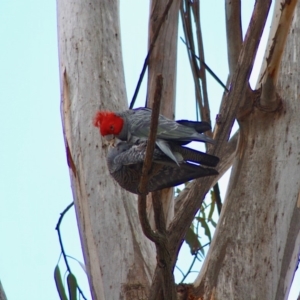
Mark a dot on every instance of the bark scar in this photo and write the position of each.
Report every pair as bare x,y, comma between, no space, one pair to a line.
66,115
70,161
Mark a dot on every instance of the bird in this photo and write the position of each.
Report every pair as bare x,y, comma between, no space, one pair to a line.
125,164
134,125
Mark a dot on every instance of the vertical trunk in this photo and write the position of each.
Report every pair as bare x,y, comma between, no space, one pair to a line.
119,260
256,245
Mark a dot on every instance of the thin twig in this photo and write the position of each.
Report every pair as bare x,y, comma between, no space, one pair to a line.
62,246
179,270
155,36
153,236
193,262
189,270
209,70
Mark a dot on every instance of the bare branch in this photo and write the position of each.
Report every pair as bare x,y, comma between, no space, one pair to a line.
163,61
224,124
146,62
233,32
148,162
162,247
198,71
205,113
159,237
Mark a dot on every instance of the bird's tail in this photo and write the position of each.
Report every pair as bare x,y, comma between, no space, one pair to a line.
200,127
196,156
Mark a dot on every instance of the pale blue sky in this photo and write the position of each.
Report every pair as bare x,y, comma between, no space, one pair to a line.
34,178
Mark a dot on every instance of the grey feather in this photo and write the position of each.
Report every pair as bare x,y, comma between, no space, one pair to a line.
125,162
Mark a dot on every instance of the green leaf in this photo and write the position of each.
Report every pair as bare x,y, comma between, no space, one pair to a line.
59,284
213,223
177,191
191,238
205,226
82,265
72,286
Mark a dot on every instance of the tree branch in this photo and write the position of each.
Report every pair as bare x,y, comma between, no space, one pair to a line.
162,248
155,36
150,234
159,237
240,80
233,32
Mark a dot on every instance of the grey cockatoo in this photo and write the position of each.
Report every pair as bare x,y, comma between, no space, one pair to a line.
134,125
125,163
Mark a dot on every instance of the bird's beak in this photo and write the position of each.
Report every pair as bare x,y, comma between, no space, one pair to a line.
110,140
109,137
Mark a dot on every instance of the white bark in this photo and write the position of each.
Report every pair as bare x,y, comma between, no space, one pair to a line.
119,259
257,242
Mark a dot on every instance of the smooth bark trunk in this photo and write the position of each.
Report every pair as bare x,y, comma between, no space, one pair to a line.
255,249
120,261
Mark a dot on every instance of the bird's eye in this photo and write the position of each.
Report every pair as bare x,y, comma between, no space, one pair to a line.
112,128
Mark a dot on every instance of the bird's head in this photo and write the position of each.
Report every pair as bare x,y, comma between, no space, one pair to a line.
108,123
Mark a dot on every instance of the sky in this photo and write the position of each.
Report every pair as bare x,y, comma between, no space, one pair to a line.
34,178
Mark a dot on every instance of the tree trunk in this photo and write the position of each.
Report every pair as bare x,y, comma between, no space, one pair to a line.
120,261
256,245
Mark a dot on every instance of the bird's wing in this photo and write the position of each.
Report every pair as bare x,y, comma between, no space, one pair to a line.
165,148
168,175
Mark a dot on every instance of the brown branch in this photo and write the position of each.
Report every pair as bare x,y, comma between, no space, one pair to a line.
188,33
198,67
155,36
159,237
233,32
240,80
226,161
205,113
150,234
164,261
